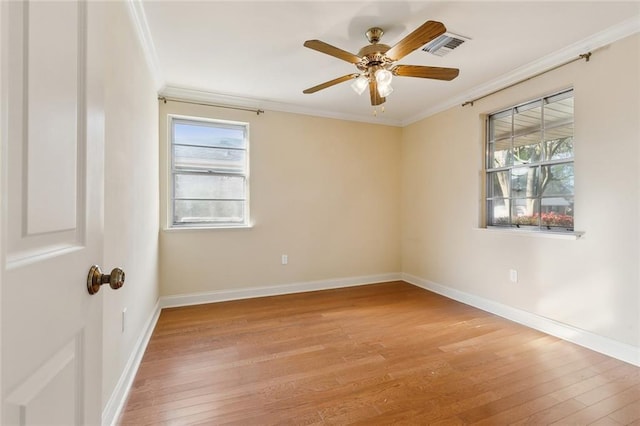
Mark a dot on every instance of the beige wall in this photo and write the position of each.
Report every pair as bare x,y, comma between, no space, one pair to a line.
346,199
591,283
131,193
325,192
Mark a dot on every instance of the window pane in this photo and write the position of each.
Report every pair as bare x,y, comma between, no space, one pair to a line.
558,112
499,154
498,184
525,212
201,211
526,148
498,212
216,159
528,118
524,182
557,212
209,187
208,134
557,180
500,126
558,143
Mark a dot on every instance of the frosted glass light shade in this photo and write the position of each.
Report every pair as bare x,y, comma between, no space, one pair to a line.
383,77
359,84
384,89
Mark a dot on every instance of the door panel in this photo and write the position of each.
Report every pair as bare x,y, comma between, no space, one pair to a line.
54,118
53,80
47,116
43,398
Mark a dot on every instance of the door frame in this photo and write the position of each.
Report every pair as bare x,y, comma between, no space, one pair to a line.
3,152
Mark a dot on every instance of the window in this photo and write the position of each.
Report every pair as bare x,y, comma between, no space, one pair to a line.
529,165
209,173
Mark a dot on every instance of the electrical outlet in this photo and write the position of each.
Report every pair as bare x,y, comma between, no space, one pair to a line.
513,275
124,317
285,259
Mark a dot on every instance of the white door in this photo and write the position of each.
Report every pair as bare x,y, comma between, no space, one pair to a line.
52,169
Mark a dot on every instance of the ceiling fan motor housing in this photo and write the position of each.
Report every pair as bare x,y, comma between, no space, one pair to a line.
373,55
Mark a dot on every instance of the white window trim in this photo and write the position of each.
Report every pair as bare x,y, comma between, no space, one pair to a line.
173,227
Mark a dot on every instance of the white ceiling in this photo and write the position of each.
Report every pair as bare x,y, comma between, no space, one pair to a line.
251,52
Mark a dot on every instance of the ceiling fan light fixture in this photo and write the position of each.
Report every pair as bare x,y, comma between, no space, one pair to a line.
360,84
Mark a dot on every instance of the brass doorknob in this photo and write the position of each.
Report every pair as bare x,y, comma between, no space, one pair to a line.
96,278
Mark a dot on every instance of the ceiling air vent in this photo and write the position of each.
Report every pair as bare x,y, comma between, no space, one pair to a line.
443,45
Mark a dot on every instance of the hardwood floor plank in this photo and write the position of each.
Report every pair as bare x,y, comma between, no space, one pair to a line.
627,414
593,388
551,414
603,408
387,353
519,412
612,382
605,421
529,384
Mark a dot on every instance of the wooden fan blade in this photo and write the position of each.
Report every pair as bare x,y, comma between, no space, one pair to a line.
376,99
436,73
330,83
323,47
419,37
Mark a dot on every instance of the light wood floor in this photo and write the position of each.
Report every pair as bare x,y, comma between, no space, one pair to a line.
380,354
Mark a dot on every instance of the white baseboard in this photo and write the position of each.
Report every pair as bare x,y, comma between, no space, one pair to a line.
119,396
604,345
248,293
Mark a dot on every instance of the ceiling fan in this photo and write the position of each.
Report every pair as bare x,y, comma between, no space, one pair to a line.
376,61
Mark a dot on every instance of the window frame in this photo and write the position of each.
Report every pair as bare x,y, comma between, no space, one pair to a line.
489,198
174,119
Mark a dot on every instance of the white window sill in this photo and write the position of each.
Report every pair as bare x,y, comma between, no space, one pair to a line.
205,228
537,234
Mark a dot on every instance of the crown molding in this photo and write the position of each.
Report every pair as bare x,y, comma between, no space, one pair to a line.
196,95
617,32
596,41
139,20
